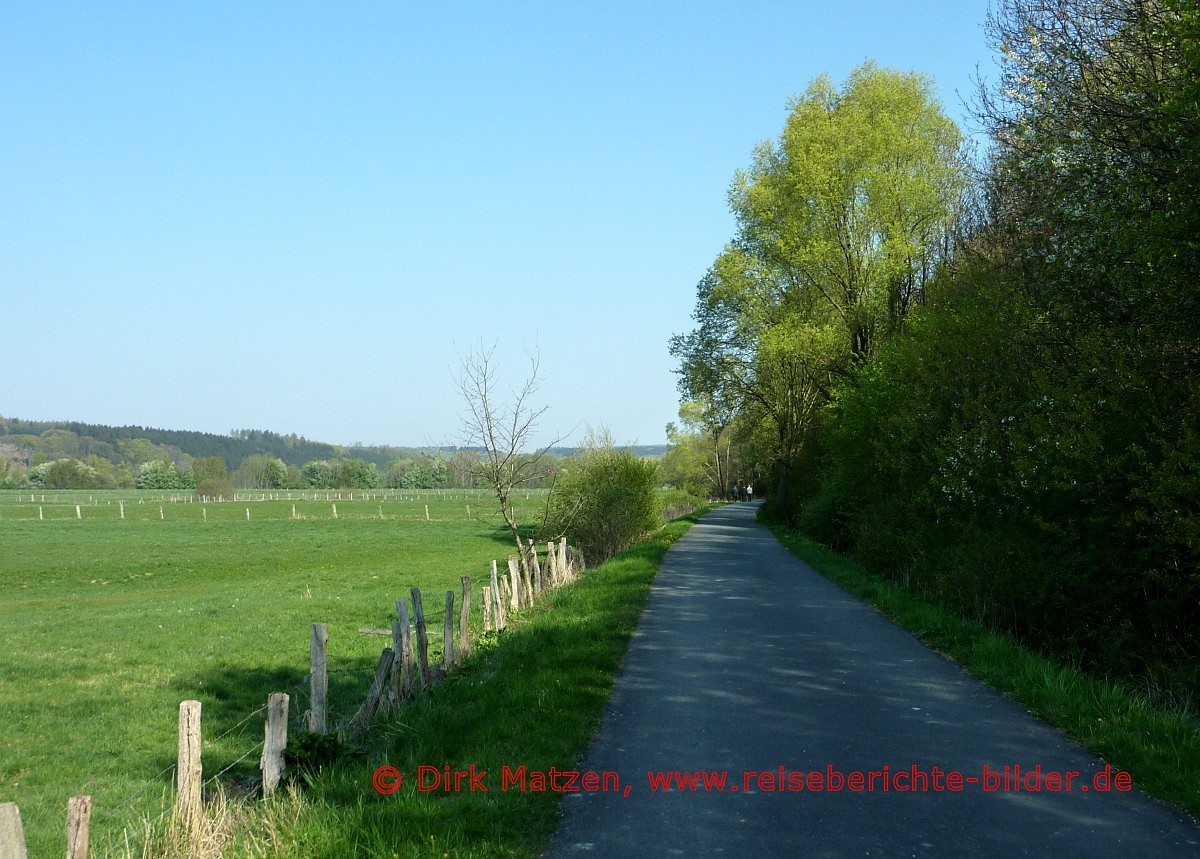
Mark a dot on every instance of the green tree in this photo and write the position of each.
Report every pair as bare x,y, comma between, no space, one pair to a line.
604,501
855,201
159,474
841,224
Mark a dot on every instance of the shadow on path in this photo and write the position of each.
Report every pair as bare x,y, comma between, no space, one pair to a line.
746,661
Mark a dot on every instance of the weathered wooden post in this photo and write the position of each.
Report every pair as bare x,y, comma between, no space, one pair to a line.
464,617
361,722
12,835
563,567
552,560
275,742
535,568
189,770
514,578
487,608
318,678
79,814
407,660
448,633
497,605
422,637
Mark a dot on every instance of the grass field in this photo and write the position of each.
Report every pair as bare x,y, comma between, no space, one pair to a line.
106,624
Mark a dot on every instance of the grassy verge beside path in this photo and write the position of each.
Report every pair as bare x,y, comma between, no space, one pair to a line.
531,696
1157,743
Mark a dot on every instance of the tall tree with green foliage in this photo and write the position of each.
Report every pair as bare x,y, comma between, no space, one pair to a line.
840,226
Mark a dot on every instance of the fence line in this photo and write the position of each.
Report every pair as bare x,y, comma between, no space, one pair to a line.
399,675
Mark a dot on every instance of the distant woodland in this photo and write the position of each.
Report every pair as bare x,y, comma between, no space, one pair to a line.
73,455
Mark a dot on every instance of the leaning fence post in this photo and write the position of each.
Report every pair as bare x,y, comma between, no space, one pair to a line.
12,836
190,771
318,679
464,618
422,637
275,741
361,722
487,608
79,813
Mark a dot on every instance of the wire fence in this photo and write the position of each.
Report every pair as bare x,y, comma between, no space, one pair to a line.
406,667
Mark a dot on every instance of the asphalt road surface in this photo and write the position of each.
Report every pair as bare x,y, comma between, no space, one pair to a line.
747,663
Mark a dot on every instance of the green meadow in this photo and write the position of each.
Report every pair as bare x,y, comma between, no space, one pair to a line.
107,623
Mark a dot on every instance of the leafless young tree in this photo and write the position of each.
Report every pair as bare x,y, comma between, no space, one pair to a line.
501,429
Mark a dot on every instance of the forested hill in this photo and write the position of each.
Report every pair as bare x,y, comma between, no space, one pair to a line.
47,440
54,439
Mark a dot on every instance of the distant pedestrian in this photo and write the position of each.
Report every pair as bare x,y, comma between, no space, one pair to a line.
749,491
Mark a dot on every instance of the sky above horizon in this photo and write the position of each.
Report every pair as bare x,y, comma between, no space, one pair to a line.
300,217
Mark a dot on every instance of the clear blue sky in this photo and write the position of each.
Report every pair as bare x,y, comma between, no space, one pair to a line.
298,216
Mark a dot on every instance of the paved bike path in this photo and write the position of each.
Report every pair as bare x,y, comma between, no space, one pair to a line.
745,659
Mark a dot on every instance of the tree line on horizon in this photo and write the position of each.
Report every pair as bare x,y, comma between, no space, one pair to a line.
981,375
72,455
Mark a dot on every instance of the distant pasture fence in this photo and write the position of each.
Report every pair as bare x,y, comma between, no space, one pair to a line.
403,671
57,505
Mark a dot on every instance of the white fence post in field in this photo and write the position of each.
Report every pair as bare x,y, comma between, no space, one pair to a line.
122,503
275,741
79,814
318,678
12,836
78,512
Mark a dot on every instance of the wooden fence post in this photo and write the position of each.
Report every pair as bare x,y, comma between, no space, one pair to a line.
487,608
318,679
464,618
497,605
375,696
514,577
275,741
552,560
448,633
12,836
536,567
79,813
402,643
563,567
422,637
190,771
